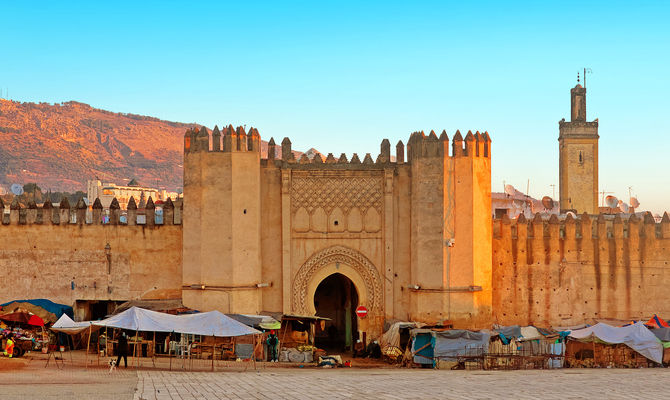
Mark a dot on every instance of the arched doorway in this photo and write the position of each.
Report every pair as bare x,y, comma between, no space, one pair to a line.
336,298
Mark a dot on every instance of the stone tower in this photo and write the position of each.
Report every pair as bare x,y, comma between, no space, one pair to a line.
222,220
578,157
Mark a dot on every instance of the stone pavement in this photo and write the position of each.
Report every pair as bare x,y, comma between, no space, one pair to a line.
404,384
27,378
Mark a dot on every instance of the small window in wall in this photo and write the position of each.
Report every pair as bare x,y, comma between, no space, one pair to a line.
500,212
581,158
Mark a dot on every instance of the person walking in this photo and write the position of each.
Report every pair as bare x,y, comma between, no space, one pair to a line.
273,345
122,350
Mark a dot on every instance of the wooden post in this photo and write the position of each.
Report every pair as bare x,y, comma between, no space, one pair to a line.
253,352
98,351
88,345
594,352
153,350
213,350
135,349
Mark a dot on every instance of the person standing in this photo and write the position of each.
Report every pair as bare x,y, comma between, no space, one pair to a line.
9,346
122,350
273,345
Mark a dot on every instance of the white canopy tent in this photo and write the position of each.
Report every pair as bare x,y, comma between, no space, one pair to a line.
212,323
65,324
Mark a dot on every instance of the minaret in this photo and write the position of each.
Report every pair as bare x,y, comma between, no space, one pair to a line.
578,157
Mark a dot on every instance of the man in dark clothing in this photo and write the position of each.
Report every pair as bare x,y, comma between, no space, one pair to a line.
273,344
122,350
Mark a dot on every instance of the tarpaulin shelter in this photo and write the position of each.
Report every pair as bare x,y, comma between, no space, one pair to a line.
41,307
636,336
656,322
23,317
428,345
663,334
390,342
35,320
257,321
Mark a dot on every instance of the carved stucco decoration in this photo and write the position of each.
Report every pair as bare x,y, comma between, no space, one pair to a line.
328,191
343,255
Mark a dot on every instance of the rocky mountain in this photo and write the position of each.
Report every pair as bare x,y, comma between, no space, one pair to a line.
61,146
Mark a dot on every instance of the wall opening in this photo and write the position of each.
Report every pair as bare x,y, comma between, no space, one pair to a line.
336,298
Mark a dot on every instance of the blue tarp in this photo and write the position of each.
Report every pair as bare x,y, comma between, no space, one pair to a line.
423,342
50,306
454,343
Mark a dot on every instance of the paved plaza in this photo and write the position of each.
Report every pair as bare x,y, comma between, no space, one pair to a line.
22,379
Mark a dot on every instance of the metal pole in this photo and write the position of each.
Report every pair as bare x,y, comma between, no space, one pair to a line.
170,350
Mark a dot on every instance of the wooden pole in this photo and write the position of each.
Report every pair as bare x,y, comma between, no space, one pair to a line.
106,342
594,352
135,349
153,350
98,351
88,345
213,351
253,352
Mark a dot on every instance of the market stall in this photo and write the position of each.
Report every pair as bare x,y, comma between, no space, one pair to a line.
188,330
607,346
27,330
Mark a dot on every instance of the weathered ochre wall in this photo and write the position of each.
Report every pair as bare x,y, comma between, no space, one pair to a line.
570,271
67,262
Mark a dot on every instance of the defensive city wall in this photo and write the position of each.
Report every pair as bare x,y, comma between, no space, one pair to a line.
413,233
67,254
566,271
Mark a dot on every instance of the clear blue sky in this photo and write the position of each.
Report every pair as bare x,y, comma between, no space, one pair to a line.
342,76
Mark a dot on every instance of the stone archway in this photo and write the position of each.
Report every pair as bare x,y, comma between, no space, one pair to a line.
337,259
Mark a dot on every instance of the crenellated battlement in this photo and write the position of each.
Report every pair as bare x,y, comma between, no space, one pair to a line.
419,145
585,226
80,214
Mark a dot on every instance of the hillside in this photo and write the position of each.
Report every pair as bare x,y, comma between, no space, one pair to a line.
61,146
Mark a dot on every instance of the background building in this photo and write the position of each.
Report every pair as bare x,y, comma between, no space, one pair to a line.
106,192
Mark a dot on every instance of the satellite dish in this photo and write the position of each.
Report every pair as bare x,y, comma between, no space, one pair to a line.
547,202
17,189
634,202
510,190
624,207
611,201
